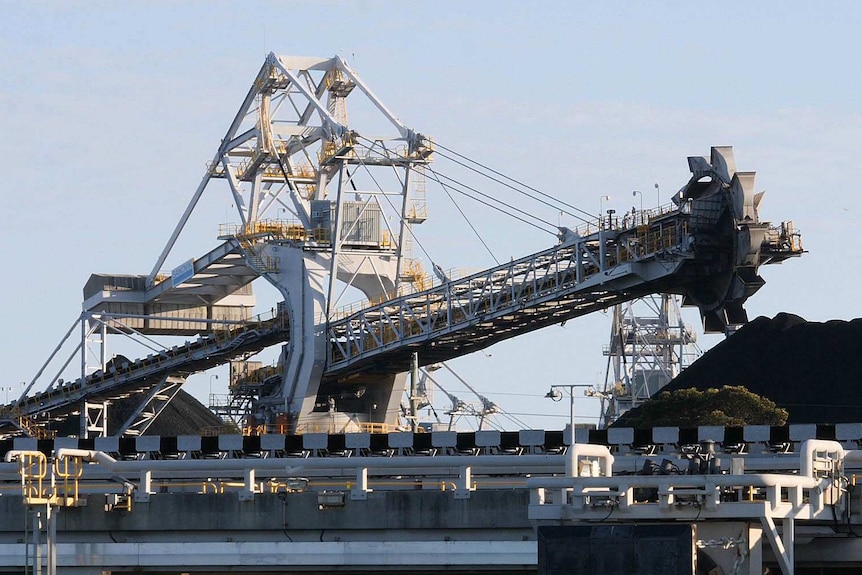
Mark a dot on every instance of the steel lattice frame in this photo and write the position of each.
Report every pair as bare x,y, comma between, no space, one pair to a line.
290,146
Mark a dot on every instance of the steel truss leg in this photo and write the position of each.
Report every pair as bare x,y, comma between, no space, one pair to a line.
153,404
35,522
755,549
94,418
782,545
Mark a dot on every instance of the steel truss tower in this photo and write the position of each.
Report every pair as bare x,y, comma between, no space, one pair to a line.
348,194
649,345
325,215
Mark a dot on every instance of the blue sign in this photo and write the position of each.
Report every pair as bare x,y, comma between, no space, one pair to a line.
183,272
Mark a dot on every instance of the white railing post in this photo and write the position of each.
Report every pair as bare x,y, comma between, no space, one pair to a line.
360,490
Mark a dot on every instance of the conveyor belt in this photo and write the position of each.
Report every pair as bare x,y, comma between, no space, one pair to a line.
120,381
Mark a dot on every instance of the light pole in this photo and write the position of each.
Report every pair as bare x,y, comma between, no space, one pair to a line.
602,199
555,394
212,377
640,193
657,195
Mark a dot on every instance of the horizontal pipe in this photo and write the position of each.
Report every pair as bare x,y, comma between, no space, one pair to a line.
803,462
624,463
677,481
16,453
295,465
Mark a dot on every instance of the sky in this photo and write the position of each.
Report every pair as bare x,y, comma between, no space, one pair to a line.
109,112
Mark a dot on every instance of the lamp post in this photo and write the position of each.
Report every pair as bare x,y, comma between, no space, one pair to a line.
555,394
640,193
638,218
602,199
212,377
658,195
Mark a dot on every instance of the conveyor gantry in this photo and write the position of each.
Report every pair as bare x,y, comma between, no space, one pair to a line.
653,253
340,190
685,248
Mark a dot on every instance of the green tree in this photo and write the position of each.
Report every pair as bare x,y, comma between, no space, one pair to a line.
730,405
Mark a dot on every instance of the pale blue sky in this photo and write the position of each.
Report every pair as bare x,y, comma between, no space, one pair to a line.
110,110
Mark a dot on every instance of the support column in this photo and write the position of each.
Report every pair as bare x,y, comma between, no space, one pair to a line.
404,229
755,549
785,558
94,418
414,387
465,483
788,534
249,487
37,542
51,543
360,490
145,487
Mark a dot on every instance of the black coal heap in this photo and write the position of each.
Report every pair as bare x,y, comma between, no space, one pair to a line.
805,367
184,415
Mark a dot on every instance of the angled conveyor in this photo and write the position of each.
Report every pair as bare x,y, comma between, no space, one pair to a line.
658,253
125,378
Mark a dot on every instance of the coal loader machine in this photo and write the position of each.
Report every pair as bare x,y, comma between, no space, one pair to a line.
329,210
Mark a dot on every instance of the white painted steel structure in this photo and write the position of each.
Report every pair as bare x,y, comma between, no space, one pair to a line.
649,345
326,210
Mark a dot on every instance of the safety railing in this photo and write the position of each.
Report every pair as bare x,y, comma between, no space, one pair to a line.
32,429
627,221
330,148
68,472
301,172
44,482
33,469
256,377
274,229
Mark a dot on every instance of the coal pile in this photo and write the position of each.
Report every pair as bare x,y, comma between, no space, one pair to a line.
805,367
184,415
